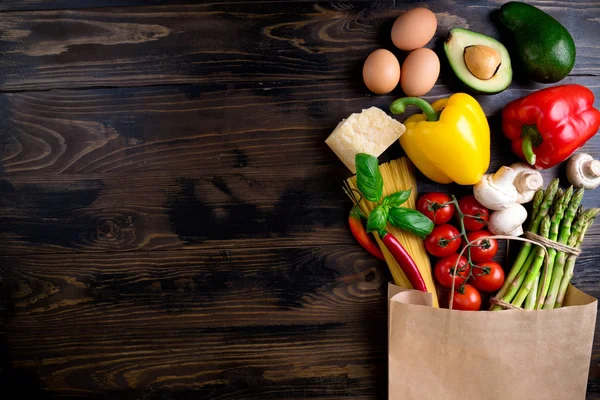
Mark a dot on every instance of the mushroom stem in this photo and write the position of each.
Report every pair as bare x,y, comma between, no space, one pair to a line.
528,181
591,169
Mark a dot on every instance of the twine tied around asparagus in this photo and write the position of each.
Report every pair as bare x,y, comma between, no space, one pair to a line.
552,244
504,304
538,242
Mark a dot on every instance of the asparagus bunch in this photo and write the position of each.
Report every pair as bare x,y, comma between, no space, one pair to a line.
558,216
542,201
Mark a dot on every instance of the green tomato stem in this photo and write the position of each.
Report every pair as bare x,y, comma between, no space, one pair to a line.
463,233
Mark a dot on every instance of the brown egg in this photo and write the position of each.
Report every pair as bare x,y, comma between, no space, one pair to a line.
381,71
420,70
414,29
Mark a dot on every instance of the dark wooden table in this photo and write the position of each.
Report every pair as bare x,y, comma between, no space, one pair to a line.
172,225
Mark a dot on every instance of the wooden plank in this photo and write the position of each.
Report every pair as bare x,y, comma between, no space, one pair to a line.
284,42
170,210
16,5
264,207
25,5
236,324
206,127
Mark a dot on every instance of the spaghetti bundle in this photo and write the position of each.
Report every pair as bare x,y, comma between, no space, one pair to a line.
399,175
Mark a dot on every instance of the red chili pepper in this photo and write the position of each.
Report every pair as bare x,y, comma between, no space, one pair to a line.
404,260
547,126
361,235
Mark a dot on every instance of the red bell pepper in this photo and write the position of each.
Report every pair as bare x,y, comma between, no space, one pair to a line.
360,234
547,126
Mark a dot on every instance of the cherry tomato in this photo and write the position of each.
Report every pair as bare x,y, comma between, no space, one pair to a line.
430,204
443,241
488,278
466,298
484,249
444,269
477,214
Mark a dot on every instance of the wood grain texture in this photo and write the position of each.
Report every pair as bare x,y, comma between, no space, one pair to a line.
192,165
15,5
200,127
223,324
229,42
25,5
181,209
153,211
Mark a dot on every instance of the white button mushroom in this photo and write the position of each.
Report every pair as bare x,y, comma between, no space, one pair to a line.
583,171
508,221
497,191
527,182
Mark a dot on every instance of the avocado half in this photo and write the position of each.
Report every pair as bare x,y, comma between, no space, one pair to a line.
460,39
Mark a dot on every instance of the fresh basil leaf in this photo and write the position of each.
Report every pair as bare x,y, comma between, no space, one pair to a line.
396,199
368,177
377,219
410,220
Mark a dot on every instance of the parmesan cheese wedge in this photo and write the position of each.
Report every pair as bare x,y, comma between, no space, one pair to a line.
372,131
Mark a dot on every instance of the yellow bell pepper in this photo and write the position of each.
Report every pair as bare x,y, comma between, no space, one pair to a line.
448,142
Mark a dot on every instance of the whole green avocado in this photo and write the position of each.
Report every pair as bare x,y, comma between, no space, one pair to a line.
545,47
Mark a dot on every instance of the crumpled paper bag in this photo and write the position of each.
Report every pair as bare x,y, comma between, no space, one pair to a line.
437,354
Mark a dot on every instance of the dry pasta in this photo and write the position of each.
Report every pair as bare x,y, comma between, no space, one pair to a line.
399,175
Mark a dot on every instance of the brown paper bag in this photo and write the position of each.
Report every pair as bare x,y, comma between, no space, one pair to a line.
437,354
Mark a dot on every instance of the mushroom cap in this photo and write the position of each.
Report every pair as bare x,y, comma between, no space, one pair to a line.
508,221
493,196
583,171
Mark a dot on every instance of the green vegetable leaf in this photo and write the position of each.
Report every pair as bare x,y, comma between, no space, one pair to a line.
396,199
368,177
377,219
411,221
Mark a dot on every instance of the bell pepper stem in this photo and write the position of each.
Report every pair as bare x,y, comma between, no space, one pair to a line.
528,150
531,137
399,106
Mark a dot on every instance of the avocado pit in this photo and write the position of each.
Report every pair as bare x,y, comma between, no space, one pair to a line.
482,61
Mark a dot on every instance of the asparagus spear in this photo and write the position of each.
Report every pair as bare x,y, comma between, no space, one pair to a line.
532,296
579,211
514,287
560,207
561,260
589,216
535,206
540,193
537,215
563,237
534,270
559,194
549,196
